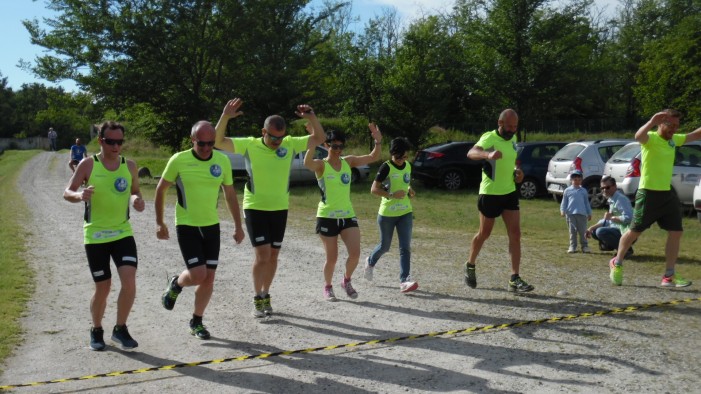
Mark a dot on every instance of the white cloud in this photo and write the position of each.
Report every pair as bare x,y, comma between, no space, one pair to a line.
408,9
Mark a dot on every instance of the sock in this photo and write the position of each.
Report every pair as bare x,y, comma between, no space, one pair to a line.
195,320
669,272
175,287
327,286
262,294
472,266
514,277
346,280
617,262
97,328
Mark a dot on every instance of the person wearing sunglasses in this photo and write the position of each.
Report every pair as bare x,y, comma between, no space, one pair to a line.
616,220
112,184
200,173
655,201
335,215
266,194
498,196
393,184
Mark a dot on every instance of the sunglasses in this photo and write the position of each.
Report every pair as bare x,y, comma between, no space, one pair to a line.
337,146
274,138
111,142
205,143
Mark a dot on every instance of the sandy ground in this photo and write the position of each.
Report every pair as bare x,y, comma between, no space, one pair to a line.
650,350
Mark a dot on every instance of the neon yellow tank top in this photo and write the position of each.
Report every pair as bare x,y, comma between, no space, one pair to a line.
335,192
107,212
397,180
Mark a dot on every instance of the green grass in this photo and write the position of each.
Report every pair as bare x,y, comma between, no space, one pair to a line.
16,281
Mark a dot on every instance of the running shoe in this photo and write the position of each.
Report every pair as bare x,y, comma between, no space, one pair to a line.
368,269
674,281
470,276
329,295
571,250
170,294
120,334
267,306
585,249
96,341
348,287
519,285
616,272
199,331
408,286
258,307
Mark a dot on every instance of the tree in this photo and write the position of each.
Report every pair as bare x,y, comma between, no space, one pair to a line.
7,127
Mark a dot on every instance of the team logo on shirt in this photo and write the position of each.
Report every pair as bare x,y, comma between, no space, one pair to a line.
407,177
671,143
281,152
345,178
121,184
215,170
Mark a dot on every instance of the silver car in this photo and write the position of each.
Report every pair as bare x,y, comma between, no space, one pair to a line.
298,172
686,173
586,156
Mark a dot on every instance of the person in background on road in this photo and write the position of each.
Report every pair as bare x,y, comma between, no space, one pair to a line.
198,174
393,184
78,153
112,183
335,215
498,196
655,202
52,138
616,220
266,195
576,208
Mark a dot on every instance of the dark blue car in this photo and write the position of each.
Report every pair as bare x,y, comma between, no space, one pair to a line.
533,158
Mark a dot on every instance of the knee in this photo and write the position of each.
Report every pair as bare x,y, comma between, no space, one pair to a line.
198,276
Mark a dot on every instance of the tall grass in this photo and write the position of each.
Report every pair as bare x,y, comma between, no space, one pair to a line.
16,281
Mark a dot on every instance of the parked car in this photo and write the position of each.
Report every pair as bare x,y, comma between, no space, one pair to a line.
624,166
586,156
533,158
447,165
298,172
697,199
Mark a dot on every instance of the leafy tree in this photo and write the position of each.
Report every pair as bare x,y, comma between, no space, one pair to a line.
7,126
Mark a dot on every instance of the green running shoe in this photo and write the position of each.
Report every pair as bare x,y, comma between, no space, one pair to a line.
616,272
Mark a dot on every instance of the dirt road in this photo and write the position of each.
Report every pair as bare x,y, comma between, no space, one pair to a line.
652,350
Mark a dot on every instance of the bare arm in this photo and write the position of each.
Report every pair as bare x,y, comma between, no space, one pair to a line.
478,153
317,133
232,204
694,135
80,176
355,161
136,200
231,110
313,164
161,228
641,134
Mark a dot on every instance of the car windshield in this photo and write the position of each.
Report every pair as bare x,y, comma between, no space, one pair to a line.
568,153
625,154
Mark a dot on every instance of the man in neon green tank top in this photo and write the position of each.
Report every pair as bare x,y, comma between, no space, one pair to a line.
198,174
266,195
335,215
655,202
112,182
498,196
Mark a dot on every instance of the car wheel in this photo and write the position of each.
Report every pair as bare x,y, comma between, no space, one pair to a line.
596,199
355,175
452,179
528,188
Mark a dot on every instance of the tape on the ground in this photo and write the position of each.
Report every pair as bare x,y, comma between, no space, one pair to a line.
632,308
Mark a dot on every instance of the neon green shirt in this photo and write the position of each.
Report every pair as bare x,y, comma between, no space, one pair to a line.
657,157
198,182
268,186
107,212
397,180
498,175
335,192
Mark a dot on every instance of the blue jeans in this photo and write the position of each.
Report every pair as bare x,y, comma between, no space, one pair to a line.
608,237
404,225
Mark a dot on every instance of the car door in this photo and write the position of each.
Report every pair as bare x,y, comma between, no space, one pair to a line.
687,169
299,173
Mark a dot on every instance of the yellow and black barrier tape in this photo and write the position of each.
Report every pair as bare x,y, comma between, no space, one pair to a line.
627,309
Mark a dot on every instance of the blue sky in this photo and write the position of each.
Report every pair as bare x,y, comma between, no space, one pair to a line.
15,43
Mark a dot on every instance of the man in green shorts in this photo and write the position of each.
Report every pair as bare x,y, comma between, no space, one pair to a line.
198,174
498,196
112,182
655,202
266,195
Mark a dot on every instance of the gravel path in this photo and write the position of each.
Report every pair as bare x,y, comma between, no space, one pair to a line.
652,350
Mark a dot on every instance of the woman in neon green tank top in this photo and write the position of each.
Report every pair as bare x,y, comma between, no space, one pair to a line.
335,215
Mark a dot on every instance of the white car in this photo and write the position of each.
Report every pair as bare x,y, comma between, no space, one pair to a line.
697,199
686,174
298,172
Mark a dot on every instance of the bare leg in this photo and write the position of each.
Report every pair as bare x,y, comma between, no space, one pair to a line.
512,221
672,248
331,247
203,293
485,230
127,293
98,303
351,238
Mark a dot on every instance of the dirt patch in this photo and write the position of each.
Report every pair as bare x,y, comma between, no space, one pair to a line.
648,350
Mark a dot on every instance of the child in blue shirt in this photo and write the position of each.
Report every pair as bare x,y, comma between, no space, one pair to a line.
575,206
